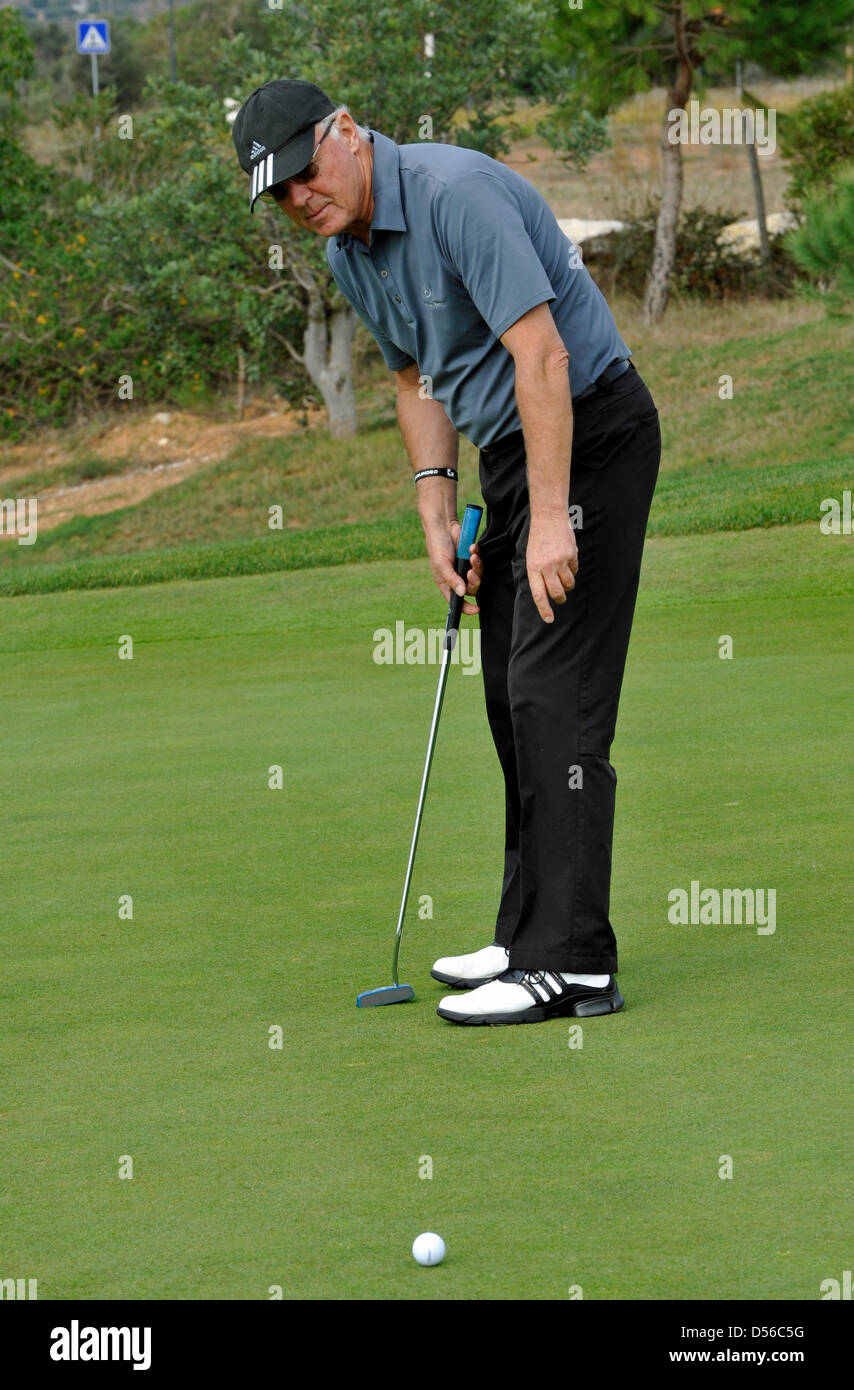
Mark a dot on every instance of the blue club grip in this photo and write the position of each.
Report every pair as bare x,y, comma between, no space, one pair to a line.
468,535
468,531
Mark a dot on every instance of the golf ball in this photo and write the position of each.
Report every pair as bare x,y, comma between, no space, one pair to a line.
429,1249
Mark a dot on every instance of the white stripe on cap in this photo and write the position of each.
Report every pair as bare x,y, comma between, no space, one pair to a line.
254,183
268,179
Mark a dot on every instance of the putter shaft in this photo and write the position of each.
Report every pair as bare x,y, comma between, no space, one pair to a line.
431,746
468,536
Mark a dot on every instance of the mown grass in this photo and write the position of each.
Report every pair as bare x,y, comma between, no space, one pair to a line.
554,1166
335,545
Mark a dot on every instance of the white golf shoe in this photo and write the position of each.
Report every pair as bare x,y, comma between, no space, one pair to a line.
467,972
531,996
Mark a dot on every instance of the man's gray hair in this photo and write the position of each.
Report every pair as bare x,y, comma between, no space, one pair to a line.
360,129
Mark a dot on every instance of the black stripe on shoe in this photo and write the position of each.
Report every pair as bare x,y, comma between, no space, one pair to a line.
563,1000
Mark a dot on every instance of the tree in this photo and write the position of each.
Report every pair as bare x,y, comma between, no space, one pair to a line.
824,245
146,269
16,54
612,52
817,140
374,60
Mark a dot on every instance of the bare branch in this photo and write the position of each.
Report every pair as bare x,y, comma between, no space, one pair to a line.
10,265
297,356
302,274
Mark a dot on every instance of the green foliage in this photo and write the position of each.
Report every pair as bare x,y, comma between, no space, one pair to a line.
786,36
187,257
23,186
152,269
575,134
611,52
220,21
373,59
817,140
16,52
824,245
601,55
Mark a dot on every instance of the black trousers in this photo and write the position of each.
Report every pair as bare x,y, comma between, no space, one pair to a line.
552,690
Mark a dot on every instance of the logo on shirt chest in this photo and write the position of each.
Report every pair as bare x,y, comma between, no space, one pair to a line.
429,301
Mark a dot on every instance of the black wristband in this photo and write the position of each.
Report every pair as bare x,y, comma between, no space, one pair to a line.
437,473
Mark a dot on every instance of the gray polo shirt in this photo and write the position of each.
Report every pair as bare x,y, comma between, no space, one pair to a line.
460,248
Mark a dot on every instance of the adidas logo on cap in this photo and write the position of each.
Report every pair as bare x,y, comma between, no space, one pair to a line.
256,149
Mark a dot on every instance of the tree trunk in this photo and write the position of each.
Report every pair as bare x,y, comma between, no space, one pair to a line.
756,177
327,354
241,382
338,382
759,199
664,253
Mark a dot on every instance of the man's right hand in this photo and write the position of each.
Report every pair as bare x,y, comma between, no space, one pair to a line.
442,544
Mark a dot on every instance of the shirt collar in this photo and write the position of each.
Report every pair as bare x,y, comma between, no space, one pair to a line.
388,213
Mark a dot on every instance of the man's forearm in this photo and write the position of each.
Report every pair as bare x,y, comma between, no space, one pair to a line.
545,409
431,442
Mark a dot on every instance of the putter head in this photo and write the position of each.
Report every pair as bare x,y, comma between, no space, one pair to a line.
389,994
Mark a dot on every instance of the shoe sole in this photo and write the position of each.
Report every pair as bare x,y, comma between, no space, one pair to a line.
456,982
570,1008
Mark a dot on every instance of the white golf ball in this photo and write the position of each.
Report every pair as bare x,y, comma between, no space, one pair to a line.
429,1249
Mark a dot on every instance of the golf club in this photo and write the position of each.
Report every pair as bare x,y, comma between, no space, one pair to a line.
397,993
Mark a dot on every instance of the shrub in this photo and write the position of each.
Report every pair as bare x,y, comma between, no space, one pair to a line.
817,139
705,267
824,245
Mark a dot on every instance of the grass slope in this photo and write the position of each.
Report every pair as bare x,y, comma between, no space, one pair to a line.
252,908
765,458
689,502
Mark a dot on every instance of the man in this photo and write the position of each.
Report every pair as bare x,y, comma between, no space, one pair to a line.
494,329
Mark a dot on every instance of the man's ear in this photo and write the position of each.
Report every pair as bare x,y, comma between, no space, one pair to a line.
347,126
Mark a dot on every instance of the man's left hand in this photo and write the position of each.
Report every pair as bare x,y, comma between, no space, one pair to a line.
552,561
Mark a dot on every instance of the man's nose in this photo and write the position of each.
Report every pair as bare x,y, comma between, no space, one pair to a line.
300,194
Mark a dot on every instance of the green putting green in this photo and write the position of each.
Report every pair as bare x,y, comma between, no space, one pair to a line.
553,1167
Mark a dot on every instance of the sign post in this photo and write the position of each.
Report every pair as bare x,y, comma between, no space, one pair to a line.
93,37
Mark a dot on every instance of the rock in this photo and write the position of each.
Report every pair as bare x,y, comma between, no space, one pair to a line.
162,418
744,236
580,229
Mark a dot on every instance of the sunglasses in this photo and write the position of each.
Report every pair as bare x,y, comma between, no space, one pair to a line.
277,191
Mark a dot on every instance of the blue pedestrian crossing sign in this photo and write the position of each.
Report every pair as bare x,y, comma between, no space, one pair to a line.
93,36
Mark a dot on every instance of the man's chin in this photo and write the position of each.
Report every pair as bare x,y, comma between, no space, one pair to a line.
327,223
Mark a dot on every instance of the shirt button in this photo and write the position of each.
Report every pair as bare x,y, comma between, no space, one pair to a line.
397,299
384,273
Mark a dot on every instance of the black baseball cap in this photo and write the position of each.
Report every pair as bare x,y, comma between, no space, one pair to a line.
273,132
